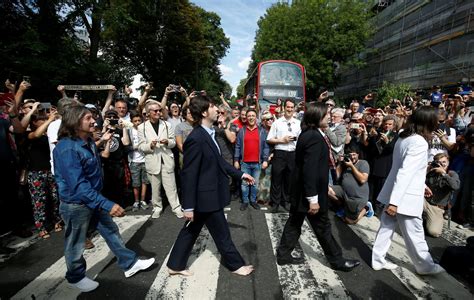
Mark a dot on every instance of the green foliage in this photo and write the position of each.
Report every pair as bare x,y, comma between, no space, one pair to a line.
319,34
389,91
166,41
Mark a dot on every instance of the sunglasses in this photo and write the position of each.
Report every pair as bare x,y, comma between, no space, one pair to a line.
220,112
329,104
156,110
289,127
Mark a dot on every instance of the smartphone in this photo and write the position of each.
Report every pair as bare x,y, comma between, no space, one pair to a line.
355,126
26,78
45,106
113,122
330,94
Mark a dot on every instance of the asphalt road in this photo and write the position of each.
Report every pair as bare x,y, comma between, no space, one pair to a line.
36,270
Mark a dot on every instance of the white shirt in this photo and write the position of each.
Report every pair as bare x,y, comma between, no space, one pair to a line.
52,134
283,127
136,155
436,146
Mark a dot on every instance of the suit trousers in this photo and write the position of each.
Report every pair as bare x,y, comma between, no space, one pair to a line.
218,227
322,228
283,164
169,184
413,235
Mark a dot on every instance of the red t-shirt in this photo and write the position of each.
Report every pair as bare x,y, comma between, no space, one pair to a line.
251,145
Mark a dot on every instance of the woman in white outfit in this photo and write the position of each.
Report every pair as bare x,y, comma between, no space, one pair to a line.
403,195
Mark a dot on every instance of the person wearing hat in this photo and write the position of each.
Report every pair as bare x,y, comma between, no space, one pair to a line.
115,179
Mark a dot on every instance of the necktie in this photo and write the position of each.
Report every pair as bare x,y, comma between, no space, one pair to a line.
213,133
332,162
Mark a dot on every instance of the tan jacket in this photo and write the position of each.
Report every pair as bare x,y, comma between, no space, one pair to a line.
161,156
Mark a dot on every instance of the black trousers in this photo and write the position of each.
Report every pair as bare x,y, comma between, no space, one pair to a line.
322,228
283,163
218,227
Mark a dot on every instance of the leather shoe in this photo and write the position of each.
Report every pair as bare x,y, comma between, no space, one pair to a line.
255,205
274,209
290,260
347,265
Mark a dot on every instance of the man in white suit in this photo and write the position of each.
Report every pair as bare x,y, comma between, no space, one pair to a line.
156,138
403,195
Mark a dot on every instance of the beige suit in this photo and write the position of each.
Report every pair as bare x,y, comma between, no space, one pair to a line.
159,163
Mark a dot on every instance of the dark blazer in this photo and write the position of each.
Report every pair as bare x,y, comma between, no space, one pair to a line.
204,178
311,174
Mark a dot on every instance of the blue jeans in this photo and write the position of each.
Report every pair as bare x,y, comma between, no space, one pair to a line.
76,219
249,192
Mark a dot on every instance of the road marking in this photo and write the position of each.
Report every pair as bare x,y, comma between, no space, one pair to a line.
455,235
312,280
51,284
441,286
203,262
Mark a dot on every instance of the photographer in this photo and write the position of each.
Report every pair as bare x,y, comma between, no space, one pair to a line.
440,183
353,192
115,179
356,133
444,138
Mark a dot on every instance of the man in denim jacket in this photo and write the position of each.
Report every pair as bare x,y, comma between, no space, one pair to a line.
78,174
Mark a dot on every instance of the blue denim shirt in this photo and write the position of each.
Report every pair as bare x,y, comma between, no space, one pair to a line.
78,173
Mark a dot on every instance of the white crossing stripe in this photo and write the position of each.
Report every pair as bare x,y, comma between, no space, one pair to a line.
51,284
312,280
203,262
440,286
455,235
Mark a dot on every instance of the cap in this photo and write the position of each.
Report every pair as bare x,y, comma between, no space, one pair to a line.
90,106
110,113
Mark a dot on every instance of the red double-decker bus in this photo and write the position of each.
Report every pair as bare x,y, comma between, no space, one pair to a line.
274,79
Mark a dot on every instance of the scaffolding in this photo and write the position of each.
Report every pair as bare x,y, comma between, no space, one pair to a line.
422,43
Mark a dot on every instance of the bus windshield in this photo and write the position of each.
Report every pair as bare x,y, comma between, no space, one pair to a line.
280,74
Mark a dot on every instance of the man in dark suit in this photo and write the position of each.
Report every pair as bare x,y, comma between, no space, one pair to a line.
205,193
309,190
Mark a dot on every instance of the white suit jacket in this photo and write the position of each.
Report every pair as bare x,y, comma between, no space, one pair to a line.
405,184
161,156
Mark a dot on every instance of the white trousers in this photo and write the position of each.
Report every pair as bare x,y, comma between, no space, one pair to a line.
413,235
169,184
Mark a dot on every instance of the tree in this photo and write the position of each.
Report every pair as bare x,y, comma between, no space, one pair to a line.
390,91
321,35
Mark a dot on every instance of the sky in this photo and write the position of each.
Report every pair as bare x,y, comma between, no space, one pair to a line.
239,22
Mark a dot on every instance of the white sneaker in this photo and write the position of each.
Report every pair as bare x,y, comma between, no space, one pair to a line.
436,270
85,285
387,266
143,205
140,265
156,214
136,206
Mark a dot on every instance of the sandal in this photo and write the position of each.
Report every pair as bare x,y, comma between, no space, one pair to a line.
44,234
58,227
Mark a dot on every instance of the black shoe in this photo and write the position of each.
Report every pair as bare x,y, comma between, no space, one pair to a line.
290,260
274,209
347,265
243,206
255,205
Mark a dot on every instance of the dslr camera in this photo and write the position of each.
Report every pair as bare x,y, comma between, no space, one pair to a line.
435,164
347,157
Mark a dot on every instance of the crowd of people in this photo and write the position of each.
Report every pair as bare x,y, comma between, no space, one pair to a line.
141,149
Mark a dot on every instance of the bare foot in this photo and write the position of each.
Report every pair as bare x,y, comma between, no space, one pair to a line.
182,272
244,270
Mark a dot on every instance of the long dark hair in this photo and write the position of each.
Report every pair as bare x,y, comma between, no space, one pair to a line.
315,112
423,121
71,120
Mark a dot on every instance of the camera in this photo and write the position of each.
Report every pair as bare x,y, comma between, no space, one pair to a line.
393,104
45,106
113,122
355,126
347,157
26,78
435,164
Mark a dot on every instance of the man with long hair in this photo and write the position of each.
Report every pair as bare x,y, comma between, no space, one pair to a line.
205,193
403,195
309,190
78,173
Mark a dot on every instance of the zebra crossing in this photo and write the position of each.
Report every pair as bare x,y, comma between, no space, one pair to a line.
256,234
